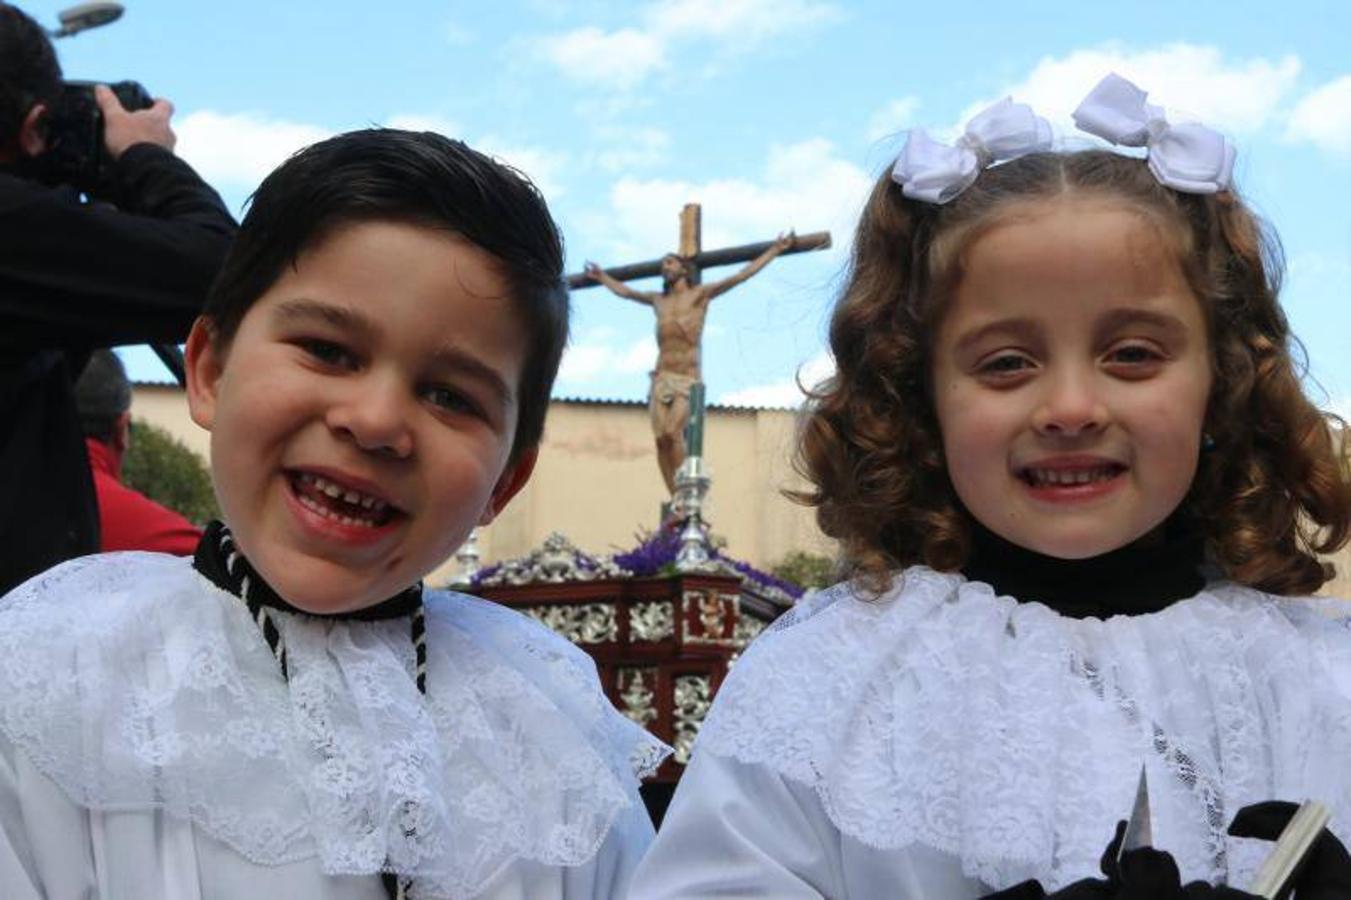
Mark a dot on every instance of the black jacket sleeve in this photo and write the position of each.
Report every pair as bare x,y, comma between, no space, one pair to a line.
78,274
74,276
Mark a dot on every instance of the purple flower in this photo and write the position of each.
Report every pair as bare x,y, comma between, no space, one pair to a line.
654,555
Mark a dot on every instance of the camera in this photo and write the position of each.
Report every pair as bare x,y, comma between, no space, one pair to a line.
75,153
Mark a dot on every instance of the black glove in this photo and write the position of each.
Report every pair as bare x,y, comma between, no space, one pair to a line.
1326,871
1142,874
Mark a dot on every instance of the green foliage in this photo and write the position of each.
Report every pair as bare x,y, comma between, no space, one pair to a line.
811,570
159,466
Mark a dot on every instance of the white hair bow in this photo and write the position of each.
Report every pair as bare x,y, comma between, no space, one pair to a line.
935,173
1189,157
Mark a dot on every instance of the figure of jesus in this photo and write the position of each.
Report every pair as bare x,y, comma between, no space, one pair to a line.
681,308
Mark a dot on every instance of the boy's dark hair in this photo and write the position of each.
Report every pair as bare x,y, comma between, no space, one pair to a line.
102,395
29,72
384,174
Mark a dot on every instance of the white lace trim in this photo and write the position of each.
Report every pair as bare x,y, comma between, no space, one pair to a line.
1012,737
134,683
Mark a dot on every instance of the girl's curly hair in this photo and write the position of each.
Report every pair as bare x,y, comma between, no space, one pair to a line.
1273,493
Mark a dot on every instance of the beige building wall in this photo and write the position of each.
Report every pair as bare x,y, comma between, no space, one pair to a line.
167,407
1341,585
597,482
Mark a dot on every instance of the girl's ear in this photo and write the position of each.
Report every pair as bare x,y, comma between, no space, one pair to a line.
510,484
205,365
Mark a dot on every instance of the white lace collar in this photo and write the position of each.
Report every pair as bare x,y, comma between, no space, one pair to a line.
133,682
1012,737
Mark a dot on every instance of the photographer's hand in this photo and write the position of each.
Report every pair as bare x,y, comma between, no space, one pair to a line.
121,129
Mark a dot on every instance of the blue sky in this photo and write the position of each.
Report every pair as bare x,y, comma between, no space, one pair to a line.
773,114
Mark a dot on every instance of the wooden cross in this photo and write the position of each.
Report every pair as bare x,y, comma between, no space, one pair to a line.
680,308
698,259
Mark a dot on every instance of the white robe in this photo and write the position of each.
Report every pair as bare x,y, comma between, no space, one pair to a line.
151,750
942,742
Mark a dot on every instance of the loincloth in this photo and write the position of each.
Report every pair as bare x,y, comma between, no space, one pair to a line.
667,388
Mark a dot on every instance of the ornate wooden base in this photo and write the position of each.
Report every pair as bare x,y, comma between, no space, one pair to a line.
662,645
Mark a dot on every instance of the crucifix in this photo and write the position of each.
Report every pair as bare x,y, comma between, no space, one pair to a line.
681,306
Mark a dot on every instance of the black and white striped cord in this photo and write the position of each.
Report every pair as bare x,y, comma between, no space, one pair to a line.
272,635
257,610
396,886
420,650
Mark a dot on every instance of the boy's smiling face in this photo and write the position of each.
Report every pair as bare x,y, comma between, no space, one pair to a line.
362,416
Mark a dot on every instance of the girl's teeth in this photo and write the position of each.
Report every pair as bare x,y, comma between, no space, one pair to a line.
1068,477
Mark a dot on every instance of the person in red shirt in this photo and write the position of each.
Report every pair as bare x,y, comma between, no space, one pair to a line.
128,520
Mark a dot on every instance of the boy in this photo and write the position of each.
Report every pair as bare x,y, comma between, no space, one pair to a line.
283,716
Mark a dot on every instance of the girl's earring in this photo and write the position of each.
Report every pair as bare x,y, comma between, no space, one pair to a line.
1207,442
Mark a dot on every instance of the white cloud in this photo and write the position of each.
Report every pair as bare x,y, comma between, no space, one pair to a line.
742,22
1342,407
805,187
240,148
892,118
1192,82
1323,117
632,148
543,167
786,393
640,357
583,362
608,59
598,356
1313,267
622,59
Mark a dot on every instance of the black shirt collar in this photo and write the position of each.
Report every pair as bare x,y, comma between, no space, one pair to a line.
223,565
1143,577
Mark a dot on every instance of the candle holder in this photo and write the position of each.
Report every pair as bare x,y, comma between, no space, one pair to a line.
692,483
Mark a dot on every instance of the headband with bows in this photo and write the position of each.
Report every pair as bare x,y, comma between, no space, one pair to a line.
1189,157
935,173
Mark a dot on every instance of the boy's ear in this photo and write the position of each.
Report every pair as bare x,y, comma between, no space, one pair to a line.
122,432
204,367
32,131
510,484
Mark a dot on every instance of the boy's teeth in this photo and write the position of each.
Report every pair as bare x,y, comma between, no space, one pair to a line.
317,507
374,505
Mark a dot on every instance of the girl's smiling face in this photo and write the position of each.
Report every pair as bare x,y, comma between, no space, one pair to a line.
1071,373
363,414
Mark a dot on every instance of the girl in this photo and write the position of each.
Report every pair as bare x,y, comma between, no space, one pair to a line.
1080,494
